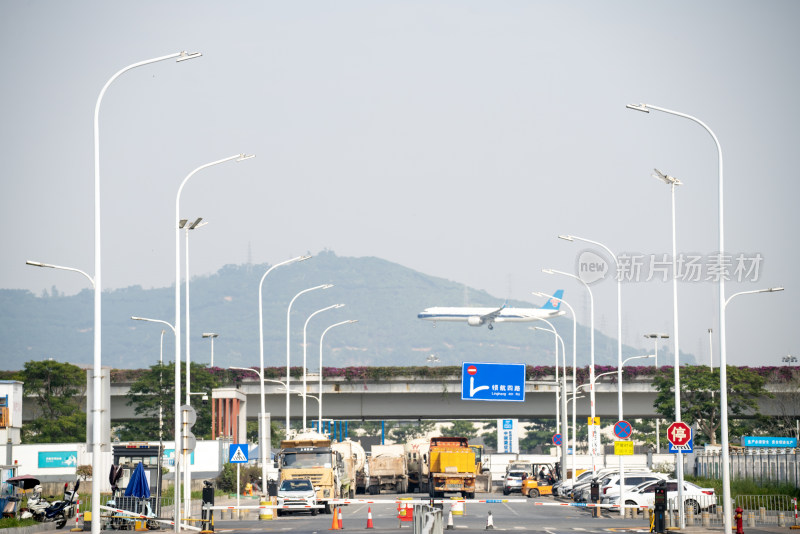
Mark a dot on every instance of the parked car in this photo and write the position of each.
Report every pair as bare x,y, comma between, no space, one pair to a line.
513,481
694,496
299,491
610,487
584,492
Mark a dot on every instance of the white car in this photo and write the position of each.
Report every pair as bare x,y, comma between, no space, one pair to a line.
610,488
583,494
693,496
297,492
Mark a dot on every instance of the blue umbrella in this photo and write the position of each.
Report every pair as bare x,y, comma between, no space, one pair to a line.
137,485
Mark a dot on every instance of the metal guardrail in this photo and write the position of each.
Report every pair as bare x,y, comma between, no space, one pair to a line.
757,509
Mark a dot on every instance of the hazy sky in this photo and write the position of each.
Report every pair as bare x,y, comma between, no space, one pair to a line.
457,138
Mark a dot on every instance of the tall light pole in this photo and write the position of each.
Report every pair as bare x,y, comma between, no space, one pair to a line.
710,351
655,338
619,346
98,289
262,420
574,367
178,441
723,360
187,472
564,429
592,428
288,347
305,345
350,321
673,182
212,336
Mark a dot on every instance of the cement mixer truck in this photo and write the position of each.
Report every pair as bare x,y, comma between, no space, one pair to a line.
354,459
309,455
417,460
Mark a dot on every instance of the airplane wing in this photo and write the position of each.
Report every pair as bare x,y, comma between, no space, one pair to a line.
491,316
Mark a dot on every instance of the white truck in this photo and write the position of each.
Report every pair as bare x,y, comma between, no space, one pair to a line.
387,470
354,459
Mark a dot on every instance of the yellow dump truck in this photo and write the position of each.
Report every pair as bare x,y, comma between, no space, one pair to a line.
451,467
309,455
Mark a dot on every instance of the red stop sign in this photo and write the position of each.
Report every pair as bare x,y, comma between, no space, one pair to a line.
472,369
679,433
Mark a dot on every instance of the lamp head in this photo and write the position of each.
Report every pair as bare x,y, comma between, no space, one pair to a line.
337,306
547,271
188,55
137,318
326,286
566,237
196,223
656,336
37,264
182,223
638,107
666,178
210,334
773,289
243,157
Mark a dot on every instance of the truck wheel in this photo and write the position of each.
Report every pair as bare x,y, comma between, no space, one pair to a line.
533,493
469,495
328,509
506,491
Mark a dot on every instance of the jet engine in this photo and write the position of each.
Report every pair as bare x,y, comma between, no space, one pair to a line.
475,320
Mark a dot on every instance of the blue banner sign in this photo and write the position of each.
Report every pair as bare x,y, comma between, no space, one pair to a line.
493,381
58,459
169,455
767,441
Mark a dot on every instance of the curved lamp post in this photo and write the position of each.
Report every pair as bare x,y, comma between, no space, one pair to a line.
563,386
619,344
98,290
305,346
592,429
350,321
288,346
263,418
574,369
178,440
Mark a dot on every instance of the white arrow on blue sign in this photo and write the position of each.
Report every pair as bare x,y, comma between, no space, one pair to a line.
238,453
493,381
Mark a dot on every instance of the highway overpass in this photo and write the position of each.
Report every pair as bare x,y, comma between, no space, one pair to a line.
438,399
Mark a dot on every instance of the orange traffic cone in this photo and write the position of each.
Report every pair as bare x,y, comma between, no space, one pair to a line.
369,518
335,524
341,527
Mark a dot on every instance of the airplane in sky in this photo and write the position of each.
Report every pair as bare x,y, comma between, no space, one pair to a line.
489,316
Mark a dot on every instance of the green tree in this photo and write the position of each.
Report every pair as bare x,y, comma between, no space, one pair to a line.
155,389
700,396
539,432
489,434
406,432
276,433
60,412
460,429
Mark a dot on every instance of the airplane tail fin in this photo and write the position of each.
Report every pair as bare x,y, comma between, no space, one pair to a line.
554,303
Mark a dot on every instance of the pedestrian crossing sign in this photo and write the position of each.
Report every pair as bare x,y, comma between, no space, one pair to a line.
238,453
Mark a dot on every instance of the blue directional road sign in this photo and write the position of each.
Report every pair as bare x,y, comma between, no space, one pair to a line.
238,453
493,381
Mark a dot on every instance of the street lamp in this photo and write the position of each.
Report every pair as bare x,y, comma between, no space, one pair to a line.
432,359
98,291
186,226
350,321
619,346
655,338
263,417
789,359
563,430
574,367
211,336
178,441
723,374
305,368
288,346
593,438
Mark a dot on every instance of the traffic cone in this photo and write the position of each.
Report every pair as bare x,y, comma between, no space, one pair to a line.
335,524
341,527
450,520
490,522
369,518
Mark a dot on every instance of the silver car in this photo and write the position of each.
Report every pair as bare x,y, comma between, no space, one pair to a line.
297,492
